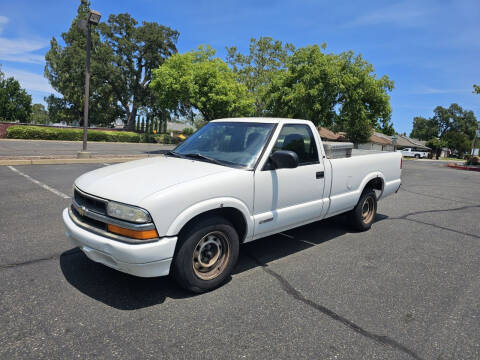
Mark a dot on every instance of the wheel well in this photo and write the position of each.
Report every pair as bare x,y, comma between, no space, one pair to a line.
376,184
231,214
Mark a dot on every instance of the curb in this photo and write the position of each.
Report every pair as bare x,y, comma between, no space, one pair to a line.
463,167
68,161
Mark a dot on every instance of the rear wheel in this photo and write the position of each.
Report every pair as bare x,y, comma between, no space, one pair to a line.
362,216
207,254
417,156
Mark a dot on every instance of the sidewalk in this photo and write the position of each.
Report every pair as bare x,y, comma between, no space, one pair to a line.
28,152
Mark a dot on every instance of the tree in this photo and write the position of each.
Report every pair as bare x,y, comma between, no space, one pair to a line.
39,114
423,129
65,70
451,127
123,56
436,145
198,82
340,92
476,89
267,57
61,110
135,51
15,103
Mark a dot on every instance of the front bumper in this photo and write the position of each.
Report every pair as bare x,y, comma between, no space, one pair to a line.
144,260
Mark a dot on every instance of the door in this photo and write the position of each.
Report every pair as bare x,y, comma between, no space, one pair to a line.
285,198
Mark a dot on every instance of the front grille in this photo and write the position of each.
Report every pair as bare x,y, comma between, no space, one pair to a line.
90,202
89,221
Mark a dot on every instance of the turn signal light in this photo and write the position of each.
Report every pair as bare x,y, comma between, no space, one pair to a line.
134,234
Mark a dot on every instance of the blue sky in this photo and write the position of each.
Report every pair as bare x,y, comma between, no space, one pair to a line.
431,49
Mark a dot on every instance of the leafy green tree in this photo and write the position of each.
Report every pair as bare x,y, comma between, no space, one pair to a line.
423,128
65,70
198,82
61,110
436,145
476,89
135,51
387,129
256,70
451,127
15,103
340,92
39,114
122,58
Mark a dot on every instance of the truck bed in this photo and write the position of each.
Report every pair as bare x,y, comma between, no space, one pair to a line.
348,177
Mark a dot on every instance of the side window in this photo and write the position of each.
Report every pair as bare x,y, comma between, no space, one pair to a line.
299,139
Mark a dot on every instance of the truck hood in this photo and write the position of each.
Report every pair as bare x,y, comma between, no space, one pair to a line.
132,181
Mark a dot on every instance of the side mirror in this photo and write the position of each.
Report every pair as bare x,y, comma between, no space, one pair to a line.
284,159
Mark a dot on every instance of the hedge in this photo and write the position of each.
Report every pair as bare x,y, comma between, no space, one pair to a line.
46,133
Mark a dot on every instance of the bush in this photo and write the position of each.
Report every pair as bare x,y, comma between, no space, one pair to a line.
147,138
166,139
474,160
46,133
188,131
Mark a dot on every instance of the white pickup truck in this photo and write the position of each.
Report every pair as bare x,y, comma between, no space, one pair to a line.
409,152
233,181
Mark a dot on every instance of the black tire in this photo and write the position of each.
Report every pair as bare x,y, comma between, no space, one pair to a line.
211,241
362,216
417,156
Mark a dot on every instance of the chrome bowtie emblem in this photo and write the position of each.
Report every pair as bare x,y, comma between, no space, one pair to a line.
82,210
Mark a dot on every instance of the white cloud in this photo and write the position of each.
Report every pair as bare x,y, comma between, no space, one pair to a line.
29,80
19,49
425,90
3,22
406,13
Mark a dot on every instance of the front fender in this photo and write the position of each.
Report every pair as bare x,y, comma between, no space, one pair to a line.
211,204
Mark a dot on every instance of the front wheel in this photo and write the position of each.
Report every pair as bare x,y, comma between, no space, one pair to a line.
362,216
207,254
417,156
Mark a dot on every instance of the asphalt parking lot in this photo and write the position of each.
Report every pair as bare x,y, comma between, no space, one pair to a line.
407,289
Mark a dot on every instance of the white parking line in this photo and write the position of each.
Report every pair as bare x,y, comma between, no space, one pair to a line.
106,164
39,183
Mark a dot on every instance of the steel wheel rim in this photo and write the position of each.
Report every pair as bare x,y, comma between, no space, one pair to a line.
211,255
368,210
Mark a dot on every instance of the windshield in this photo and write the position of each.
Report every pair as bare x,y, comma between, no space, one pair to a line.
227,143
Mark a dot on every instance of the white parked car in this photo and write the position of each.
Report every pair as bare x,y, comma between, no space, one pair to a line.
409,152
233,181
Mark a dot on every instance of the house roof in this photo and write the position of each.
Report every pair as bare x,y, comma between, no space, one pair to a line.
380,140
376,138
409,142
327,134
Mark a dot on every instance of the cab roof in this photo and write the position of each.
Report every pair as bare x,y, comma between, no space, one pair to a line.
264,120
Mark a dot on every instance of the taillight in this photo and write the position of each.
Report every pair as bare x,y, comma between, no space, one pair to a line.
401,162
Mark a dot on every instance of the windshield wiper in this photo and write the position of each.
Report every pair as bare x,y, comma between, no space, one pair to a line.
203,157
175,154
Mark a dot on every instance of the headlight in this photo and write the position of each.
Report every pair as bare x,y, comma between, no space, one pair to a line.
128,213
